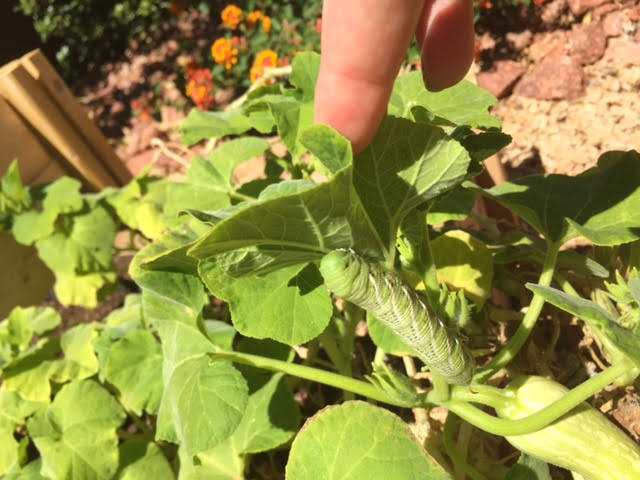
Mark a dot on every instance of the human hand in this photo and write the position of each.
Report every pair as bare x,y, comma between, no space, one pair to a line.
363,45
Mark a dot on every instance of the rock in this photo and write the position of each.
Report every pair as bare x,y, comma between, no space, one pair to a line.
548,45
499,80
587,43
117,107
519,40
578,7
554,78
623,52
602,10
614,21
138,162
552,11
486,42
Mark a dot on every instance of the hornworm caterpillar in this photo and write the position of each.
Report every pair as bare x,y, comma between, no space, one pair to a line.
385,295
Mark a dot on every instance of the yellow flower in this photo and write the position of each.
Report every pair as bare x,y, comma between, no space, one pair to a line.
266,24
231,16
264,59
254,17
223,52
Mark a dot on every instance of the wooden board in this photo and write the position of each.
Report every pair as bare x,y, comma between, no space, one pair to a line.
36,163
39,67
33,103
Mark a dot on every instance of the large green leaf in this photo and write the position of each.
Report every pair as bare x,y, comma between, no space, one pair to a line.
602,323
202,405
600,204
169,251
464,263
293,112
208,185
33,225
290,305
405,165
86,248
293,229
270,419
29,373
462,104
18,329
9,453
76,435
134,367
201,125
62,196
82,290
359,441
454,205
80,360
331,148
15,409
143,461
31,471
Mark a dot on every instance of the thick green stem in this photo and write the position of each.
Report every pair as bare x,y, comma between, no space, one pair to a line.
452,451
309,373
513,346
460,396
333,342
441,389
540,419
429,272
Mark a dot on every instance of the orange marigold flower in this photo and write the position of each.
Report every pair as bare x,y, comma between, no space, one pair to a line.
266,24
200,87
485,4
264,59
231,16
223,52
254,17
539,2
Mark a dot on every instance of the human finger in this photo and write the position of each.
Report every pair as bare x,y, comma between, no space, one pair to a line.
363,45
446,35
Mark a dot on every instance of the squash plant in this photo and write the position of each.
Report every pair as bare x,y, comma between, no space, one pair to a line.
173,385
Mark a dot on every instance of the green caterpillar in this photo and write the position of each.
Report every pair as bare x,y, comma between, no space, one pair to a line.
385,295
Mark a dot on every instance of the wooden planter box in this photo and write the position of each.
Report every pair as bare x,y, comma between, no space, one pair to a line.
47,130
45,127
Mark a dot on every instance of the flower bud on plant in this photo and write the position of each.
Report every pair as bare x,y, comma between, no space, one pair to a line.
583,440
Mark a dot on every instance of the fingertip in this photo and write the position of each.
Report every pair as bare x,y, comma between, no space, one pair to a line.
446,35
354,107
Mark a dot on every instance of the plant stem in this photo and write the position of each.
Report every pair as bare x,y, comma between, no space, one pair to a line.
513,346
332,340
441,389
453,453
459,395
429,272
358,387
540,419
565,285
269,73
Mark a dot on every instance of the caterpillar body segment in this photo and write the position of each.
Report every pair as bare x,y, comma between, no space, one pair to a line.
385,295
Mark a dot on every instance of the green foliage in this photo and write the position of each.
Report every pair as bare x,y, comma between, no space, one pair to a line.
176,385
359,441
92,32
